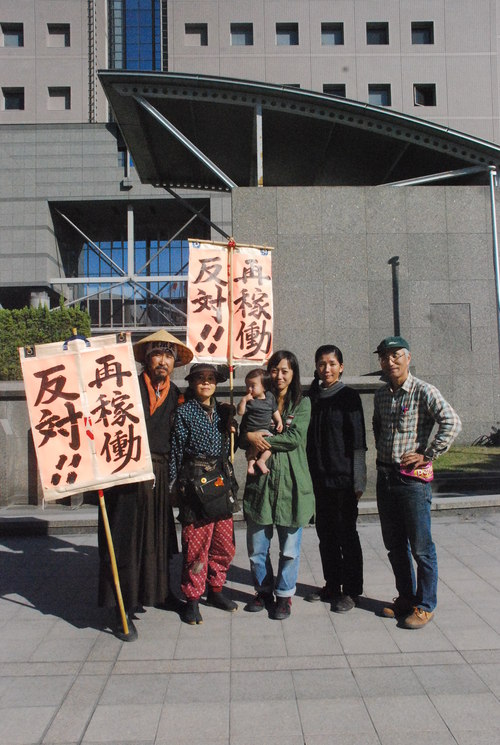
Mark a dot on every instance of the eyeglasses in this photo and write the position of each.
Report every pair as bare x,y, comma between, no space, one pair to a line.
393,356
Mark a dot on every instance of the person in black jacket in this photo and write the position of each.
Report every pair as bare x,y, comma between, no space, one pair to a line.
336,448
140,515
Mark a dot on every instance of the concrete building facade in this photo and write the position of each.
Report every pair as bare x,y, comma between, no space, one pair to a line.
71,198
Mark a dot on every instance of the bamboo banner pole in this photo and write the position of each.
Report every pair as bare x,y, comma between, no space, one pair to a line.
112,557
235,245
230,248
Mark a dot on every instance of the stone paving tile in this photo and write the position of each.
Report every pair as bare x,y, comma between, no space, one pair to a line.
202,688
480,738
24,725
423,738
312,684
450,679
404,714
473,712
345,738
123,722
267,685
135,689
316,678
72,718
39,691
387,681
263,721
326,716
188,722
490,674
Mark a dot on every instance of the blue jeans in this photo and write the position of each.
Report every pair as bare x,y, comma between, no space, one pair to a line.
404,506
258,545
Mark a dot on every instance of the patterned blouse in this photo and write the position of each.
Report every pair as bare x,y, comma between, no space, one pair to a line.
197,431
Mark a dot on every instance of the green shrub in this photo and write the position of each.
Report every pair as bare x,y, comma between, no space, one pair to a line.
35,326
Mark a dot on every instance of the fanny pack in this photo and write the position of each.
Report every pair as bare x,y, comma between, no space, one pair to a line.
421,473
214,485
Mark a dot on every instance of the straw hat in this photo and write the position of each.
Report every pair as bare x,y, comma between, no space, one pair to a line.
183,354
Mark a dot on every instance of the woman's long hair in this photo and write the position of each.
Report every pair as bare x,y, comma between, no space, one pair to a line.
294,393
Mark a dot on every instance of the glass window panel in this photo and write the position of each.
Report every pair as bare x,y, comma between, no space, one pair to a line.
242,34
287,34
379,94
377,33
332,34
422,32
13,34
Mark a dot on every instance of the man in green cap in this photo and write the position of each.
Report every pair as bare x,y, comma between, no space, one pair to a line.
406,410
140,516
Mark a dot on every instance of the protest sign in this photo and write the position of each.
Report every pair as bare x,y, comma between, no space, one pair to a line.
230,302
86,414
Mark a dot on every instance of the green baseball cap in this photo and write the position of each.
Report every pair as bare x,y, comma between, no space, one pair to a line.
392,342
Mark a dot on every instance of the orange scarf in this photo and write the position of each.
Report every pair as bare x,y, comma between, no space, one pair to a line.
158,395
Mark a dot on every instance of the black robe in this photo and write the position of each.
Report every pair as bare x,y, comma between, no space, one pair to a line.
141,521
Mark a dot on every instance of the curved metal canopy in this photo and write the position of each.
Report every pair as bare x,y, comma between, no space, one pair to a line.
203,132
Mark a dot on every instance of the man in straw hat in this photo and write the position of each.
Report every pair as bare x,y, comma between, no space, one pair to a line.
140,516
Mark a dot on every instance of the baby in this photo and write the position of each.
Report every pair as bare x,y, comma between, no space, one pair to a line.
259,410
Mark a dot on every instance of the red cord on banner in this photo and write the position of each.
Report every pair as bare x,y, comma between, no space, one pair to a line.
231,243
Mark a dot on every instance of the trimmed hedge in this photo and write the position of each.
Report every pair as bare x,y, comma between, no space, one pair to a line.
35,326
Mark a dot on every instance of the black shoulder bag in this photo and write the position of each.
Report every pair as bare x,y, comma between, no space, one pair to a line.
214,484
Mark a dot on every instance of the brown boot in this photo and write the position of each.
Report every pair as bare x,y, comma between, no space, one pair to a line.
418,619
400,607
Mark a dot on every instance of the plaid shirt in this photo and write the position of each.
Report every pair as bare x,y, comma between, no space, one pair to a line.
403,421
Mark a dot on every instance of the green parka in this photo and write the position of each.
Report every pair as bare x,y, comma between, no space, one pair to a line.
285,495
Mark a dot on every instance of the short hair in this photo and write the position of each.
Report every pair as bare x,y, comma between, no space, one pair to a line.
328,349
262,373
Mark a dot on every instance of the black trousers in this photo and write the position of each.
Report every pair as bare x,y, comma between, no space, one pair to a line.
339,545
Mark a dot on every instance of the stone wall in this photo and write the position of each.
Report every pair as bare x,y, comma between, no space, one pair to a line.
333,283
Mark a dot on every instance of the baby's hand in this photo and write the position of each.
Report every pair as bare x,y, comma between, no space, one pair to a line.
279,427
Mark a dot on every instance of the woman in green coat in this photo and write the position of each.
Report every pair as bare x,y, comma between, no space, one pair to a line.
284,497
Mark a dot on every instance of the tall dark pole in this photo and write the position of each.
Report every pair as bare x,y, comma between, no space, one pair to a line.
394,262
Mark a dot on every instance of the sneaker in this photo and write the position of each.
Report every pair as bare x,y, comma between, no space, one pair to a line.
325,594
400,607
283,608
191,613
220,601
259,601
418,618
344,603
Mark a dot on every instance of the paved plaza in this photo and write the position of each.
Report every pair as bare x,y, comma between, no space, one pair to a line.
318,678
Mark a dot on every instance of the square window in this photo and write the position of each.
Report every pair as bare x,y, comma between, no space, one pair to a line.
424,94
59,99
12,34
196,35
13,99
58,35
242,34
377,33
334,89
332,34
379,94
287,34
422,32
